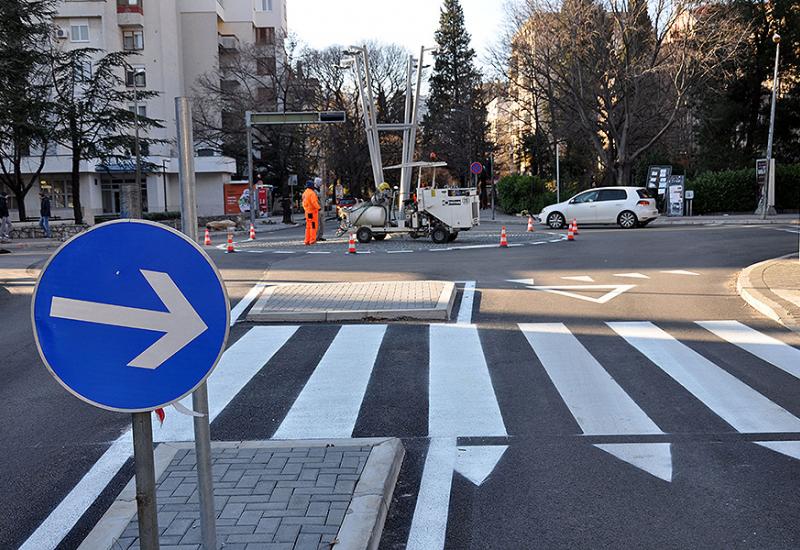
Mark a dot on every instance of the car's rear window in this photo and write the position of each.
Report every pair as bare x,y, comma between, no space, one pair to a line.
644,194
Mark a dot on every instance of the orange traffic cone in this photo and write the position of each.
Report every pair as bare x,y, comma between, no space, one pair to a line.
570,234
252,232
207,239
575,226
530,224
503,239
230,249
351,249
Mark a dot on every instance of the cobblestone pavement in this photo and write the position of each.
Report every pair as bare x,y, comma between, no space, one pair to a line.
266,498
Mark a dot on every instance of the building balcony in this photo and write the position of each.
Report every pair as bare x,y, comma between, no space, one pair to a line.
130,13
228,42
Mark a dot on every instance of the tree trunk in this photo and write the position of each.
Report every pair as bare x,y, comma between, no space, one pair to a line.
77,211
623,174
20,198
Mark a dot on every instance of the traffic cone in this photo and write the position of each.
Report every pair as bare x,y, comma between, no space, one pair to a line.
503,239
207,239
230,249
351,249
252,232
530,224
570,234
575,226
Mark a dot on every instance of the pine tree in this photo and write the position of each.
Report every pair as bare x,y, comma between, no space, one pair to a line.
455,125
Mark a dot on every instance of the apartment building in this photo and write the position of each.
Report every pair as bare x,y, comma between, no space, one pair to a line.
178,41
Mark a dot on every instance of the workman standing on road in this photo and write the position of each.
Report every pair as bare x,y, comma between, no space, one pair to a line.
312,208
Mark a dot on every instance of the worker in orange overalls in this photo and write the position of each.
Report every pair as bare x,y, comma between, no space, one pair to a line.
312,208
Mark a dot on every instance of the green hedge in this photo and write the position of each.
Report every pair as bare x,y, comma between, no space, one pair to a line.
518,193
736,191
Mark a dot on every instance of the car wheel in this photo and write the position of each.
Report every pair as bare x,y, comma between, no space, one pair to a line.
556,220
439,235
379,236
364,235
627,220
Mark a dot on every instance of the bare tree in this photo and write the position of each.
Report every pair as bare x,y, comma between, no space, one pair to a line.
618,73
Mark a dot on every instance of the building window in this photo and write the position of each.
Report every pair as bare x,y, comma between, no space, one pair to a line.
79,31
129,6
265,36
136,77
83,71
142,109
263,5
265,66
60,190
132,40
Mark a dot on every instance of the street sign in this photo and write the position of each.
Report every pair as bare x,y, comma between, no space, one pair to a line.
280,118
476,168
130,316
657,177
676,185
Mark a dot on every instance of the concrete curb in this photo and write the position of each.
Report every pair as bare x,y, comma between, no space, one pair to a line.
759,300
363,524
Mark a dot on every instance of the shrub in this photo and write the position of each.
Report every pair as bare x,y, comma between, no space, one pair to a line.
736,190
518,193
161,216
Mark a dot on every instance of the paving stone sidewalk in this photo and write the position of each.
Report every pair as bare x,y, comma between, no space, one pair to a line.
355,301
773,288
277,496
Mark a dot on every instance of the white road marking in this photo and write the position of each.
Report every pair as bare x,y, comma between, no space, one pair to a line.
614,291
595,399
771,350
317,252
528,282
680,272
399,251
735,402
598,403
429,525
283,251
476,463
238,365
248,299
580,279
462,398
467,300
632,275
329,403
223,384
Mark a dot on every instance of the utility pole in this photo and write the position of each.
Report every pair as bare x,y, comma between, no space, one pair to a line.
769,188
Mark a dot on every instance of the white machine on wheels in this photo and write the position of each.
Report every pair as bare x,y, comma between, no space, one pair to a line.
438,213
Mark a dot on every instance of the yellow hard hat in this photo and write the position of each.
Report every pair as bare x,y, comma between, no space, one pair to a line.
384,187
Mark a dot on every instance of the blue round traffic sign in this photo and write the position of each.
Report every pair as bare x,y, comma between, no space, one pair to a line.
130,316
476,168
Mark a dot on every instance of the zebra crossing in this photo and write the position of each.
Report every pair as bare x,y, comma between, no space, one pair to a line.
459,395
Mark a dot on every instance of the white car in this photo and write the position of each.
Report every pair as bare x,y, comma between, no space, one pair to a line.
627,207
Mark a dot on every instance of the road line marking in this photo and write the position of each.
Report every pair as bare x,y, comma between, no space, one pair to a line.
462,398
248,299
467,300
399,251
681,272
632,275
595,399
579,278
317,252
613,291
238,365
735,402
769,349
223,384
329,403
429,524
283,251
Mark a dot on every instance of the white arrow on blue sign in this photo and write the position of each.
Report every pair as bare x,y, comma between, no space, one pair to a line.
130,316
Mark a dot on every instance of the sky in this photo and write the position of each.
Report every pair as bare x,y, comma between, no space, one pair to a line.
410,23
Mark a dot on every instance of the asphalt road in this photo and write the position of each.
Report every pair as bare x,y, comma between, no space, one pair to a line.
676,408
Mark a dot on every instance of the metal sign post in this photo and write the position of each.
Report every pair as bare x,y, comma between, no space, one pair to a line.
202,428
97,303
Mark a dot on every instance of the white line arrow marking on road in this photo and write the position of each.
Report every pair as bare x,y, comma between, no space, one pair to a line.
477,463
614,291
180,323
632,275
579,278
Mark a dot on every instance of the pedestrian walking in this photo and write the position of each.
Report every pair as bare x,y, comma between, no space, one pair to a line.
311,208
5,223
44,214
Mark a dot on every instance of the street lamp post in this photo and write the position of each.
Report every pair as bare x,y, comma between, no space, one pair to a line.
770,185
